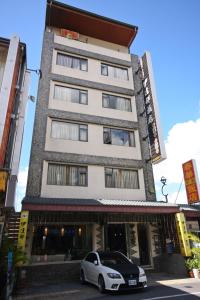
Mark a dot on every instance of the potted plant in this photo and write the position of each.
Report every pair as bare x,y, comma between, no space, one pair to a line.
189,267
196,262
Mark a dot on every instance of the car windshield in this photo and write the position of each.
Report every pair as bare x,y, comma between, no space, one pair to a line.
110,259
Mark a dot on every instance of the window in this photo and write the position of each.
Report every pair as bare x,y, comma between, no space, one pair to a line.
120,178
69,131
114,72
118,137
66,175
115,102
91,257
70,95
72,62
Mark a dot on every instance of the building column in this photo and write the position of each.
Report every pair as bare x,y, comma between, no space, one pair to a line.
133,243
97,237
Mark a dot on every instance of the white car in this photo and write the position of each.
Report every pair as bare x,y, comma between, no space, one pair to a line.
111,271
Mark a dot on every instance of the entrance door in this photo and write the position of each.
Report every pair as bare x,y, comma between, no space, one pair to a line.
143,244
116,238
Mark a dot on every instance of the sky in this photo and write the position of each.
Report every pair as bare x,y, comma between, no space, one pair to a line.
169,30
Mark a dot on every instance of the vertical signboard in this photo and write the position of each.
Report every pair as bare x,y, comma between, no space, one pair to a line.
22,230
157,147
182,234
191,181
3,180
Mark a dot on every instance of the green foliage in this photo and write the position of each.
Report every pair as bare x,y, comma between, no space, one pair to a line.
19,257
194,237
196,253
194,262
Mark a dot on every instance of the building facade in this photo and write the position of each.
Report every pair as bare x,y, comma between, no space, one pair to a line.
14,83
90,182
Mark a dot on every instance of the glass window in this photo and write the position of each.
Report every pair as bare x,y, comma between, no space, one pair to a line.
72,241
66,175
118,137
114,72
72,62
91,257
121,178
115,258
116,102
69,131
104,70
83,97
70,94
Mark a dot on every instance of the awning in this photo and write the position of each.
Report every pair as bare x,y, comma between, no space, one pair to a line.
97,205
68,17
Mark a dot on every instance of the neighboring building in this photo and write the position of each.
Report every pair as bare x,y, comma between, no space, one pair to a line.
96,133
14,83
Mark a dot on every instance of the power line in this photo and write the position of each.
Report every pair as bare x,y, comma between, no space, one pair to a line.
179,190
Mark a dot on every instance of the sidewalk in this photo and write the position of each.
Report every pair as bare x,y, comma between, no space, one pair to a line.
168,279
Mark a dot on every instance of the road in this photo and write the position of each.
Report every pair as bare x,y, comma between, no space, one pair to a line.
172,289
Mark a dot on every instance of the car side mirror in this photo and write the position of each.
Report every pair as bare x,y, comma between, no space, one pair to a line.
95,262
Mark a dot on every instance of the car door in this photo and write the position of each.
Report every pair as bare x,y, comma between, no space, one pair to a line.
89,266
94,269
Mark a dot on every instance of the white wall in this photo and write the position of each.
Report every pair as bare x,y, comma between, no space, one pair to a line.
95,189
93,73
94,146
96,46
94,106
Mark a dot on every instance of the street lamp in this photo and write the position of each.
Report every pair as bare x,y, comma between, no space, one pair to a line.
163,181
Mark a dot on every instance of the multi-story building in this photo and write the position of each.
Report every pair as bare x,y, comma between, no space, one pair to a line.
96,132
14,83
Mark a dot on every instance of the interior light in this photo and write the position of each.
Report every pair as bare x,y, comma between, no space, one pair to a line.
79,231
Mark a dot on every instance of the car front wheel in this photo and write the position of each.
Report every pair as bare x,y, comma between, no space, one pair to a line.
101,284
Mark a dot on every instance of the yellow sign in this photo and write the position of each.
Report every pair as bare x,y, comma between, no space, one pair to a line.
22,230
182,234
191,181
3,180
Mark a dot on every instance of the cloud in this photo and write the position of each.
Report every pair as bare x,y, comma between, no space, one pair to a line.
21,187
178,197
182,144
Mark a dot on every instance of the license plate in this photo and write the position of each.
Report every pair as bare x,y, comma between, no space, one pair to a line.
132,282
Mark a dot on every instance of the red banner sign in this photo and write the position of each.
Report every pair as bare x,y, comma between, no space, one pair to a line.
191,181
69,34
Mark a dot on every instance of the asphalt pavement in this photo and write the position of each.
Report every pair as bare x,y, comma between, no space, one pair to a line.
161,286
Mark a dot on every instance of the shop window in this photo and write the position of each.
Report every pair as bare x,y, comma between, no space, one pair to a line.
73,241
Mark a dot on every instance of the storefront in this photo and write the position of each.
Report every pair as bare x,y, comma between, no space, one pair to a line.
67,232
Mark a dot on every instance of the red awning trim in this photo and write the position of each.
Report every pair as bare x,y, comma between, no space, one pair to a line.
101,208
192,214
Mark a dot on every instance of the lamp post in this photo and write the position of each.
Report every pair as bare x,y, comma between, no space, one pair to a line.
163,181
